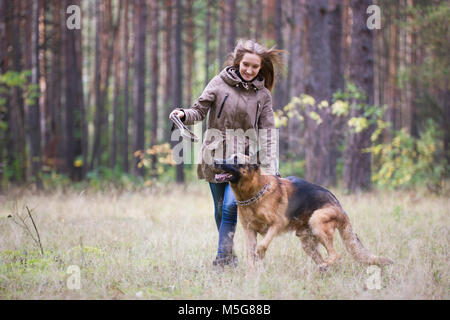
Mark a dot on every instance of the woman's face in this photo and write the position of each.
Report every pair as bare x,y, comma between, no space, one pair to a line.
249,66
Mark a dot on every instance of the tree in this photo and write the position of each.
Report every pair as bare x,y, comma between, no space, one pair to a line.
357,164
178,77
140,18
126,90
74,105
230,25
33,112
336,84
155,79
115,127
318,135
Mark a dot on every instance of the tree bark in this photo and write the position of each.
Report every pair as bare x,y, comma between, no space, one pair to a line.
168,69
317,136
221,47
335,124
155,80
115,104
126,90
178,78
140,17
74,101
33,112
357,164
230,27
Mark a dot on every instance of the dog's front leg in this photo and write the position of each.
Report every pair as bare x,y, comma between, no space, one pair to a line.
268,237
251,245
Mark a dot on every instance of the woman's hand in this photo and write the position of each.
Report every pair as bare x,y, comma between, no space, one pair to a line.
178,113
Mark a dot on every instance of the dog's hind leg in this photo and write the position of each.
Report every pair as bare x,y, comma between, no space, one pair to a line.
323,224
310,245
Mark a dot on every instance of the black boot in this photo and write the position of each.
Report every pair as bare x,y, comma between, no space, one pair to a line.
228,260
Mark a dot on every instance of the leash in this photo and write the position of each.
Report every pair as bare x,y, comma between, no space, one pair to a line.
255,197
185,132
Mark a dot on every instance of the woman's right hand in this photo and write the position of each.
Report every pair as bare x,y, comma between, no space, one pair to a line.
178,113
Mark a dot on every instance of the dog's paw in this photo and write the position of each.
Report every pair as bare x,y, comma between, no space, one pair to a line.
324,267
260,252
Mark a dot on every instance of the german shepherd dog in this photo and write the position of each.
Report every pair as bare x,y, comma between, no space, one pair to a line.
270,205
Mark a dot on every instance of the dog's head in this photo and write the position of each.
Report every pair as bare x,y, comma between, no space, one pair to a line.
235,168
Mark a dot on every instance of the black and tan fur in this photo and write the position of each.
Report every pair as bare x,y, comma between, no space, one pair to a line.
291,204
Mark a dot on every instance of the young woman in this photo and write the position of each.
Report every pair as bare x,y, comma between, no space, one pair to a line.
239,97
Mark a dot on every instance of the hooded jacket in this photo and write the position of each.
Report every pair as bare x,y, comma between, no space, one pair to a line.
232,104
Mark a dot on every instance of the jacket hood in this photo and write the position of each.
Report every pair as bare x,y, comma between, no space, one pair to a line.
231,77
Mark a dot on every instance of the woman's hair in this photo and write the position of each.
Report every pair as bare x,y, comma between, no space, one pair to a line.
270,58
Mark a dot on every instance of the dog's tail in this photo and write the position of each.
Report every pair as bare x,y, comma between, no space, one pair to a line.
356,248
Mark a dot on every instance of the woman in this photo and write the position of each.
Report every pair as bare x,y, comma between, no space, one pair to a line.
238,98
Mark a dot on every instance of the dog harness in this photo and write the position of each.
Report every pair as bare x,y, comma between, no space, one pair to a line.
255,197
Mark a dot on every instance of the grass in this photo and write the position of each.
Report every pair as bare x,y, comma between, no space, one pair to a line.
160,243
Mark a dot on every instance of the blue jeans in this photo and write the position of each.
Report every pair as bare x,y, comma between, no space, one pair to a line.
225,213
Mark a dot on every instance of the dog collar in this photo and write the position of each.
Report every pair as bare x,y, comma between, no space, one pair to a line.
255,197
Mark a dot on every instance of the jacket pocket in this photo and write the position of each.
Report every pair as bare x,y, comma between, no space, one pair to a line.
256,115
221,106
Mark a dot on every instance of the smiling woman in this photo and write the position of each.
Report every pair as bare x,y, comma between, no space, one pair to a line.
249,66
239,98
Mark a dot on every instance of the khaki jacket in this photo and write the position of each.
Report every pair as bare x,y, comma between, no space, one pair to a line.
232,104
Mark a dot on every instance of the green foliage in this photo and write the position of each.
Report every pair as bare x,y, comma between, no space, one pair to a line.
292,167
14,79
14,261
407,161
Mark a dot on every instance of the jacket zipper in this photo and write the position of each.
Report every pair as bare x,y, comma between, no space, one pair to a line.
221,106
256,115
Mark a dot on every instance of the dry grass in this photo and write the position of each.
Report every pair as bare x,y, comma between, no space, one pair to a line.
159,244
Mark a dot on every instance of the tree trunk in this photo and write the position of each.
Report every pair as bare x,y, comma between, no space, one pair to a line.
336,83
168,70
295,75
108,33
4,136
126,59
74,101
269,12
33,112
356,163
190,38
230,30
317,136
115,105
140,18
16,112
96,152
178,78
279,100
155,80
207,40
221,47
54,152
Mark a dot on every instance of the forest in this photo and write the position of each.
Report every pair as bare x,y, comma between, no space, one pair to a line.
94,206
87,87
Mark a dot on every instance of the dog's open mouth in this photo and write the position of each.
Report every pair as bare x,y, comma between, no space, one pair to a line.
223,177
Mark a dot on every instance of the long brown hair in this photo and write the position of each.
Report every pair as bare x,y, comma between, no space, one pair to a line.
270,59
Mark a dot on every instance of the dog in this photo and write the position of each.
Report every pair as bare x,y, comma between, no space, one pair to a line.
270,205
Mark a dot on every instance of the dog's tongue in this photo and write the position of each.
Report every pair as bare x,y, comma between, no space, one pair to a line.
222,177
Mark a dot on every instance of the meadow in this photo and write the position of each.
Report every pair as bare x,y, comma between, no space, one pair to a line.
159,243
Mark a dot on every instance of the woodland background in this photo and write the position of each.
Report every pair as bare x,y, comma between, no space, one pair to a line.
355,107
